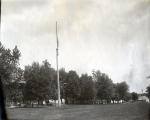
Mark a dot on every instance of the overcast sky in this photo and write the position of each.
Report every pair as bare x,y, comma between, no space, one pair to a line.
110,35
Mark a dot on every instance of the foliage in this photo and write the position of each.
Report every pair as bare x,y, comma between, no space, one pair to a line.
104,86
134,96
62,78
40,83
15,88
72,88
122,90
10,73
87,88
148,91
9,60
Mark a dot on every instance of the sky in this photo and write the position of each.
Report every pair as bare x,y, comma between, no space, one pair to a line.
112,36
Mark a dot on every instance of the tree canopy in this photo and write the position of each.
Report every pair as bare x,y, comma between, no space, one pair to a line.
40,81
122,90
148,91
72,88
9,60
87,88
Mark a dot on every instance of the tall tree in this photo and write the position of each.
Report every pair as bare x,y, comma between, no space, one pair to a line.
134,96
62,77
115,95
9,60
40,83
31,76
122,90
15,88
87,87
148,91
104,86
72,89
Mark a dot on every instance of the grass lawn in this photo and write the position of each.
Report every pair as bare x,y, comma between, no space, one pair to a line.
128,111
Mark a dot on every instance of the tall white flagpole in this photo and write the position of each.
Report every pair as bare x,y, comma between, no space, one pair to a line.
58,82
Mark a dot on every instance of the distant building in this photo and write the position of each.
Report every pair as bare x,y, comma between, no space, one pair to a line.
143,98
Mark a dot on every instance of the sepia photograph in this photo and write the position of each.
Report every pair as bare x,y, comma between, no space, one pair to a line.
75,60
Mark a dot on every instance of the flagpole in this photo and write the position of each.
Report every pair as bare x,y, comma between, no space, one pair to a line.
58,82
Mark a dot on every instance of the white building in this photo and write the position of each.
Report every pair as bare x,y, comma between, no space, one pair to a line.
143,98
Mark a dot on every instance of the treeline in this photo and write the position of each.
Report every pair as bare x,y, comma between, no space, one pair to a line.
37,83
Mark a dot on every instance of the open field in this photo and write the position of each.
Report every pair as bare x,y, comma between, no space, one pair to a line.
128,111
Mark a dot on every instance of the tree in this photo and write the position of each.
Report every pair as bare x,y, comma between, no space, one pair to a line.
87,88
15,87
104,86
31,76
62,77
134,96
115,95
72,89
9,61
122,90
148,91
40,82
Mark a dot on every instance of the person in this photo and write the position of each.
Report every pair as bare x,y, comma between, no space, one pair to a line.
3,115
